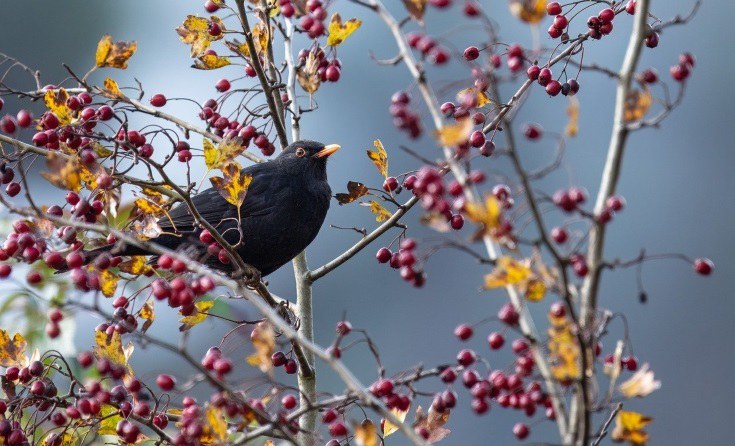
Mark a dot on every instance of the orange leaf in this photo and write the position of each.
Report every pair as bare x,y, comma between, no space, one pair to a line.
264,341
355,190
629,427
637,104
454,134
200,313
114,55
379,157
12,351
234,185
416,9
529,11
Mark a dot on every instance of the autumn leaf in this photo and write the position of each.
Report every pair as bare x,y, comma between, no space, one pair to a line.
379,157
114,55
136,266
366,434
529,11
225,152
195,32
435,221
637,104
381,213
111,348
572,127
534,289
416,9
146,227
308,75
479,97
355,190
215,429
55,101
108,282
486,214
200,313
264,342
234,185
260,41
109,417
211,62
339,31
507,271
151,202
563,350
12,351
454,134
63,172
629,427
641,384
66,438
433,422
390,428
147,312
112,88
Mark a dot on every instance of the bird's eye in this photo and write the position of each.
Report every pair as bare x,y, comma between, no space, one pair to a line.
300,152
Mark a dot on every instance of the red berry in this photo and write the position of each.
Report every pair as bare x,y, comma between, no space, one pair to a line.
606,15
222,85
630,363
158,100
390,184
532,131
560,22
165,382
383,255
466,357
471,53
521,430
289,402
337,429
557,310
703,266
553,8
533,72
630,7
553,88
496,341
652,40
559,234
463,332
480,406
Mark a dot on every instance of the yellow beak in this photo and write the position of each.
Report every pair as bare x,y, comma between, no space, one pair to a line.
327,150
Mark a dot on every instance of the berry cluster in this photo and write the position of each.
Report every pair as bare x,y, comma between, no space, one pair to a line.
405,261
403,117
680,72
313,22
222,126
328,70
430,49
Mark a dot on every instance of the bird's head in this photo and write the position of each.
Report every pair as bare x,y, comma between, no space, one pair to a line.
308,156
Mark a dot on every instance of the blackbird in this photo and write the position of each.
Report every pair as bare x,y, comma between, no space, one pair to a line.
284,208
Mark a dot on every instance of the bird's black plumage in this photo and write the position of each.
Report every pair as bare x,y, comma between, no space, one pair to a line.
284,209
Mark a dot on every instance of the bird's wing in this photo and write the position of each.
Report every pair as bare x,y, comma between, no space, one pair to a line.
214,208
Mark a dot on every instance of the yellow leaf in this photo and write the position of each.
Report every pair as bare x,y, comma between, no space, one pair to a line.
216,426
479,97
114,55
641,384
200,313
366,434
234,185
390,428
529,11
152,202
223,154
63,173
563,350
381,213
507,271
55,101
148,313
454,134
108,282
68,438
136,265
637,104
211,62
108,420
195,32
573,112
264,341
416,9
339,31
308,75
12,351
355,190
433,422
112,88
111,348
379,157
486,214
535,289
629,427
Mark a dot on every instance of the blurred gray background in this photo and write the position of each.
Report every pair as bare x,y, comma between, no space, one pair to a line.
677,180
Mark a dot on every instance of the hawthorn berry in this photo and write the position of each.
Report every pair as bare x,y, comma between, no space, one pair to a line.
463,331
158,100
496,341
553,8
165,382
703,266
471,53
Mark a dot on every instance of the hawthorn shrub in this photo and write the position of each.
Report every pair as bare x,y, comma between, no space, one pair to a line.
117,179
